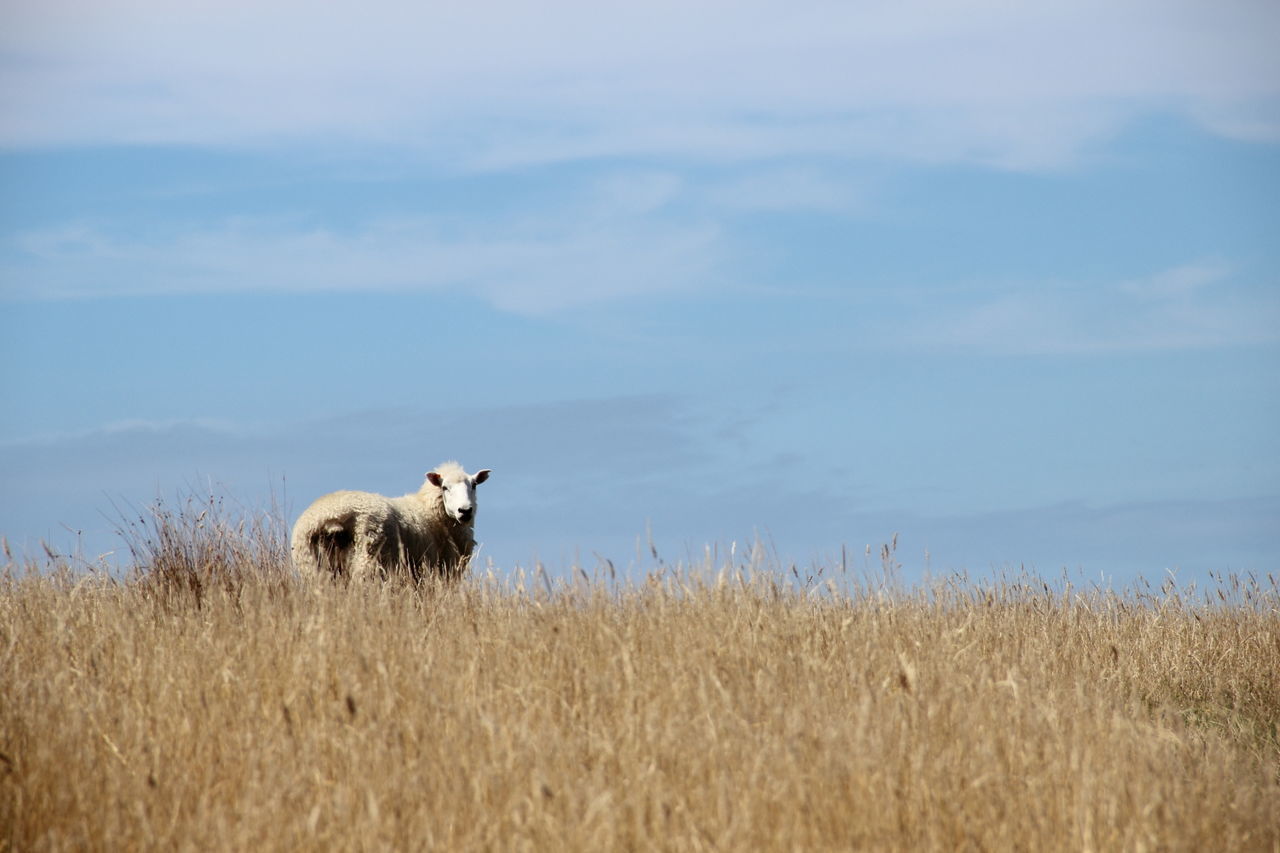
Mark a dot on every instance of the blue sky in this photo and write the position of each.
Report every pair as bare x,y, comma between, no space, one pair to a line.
1002,280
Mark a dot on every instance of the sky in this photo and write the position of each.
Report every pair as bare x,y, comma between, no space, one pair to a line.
1001,279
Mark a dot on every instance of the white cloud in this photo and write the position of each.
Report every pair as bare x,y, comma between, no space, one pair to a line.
1199,305
635,193
131,429
1249,120
503,84
786,189
528,265
1177,283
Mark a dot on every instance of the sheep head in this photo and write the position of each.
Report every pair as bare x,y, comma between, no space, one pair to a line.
457,490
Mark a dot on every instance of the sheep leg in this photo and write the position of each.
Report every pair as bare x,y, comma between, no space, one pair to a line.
367,550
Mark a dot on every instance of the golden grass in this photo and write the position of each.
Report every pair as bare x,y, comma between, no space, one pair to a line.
691,711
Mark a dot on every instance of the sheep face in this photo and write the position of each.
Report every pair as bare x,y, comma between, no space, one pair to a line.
458,492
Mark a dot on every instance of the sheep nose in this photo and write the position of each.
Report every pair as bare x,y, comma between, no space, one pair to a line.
464,514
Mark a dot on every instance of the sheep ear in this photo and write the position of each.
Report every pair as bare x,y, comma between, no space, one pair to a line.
435,479
481,476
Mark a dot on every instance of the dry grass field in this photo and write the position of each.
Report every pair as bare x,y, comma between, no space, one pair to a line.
211,702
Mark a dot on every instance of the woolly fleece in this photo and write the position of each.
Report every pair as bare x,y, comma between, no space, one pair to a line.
365,535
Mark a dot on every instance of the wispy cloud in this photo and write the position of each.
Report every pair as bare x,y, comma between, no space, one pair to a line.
1194,306
786,189
507,84
132,430
605,247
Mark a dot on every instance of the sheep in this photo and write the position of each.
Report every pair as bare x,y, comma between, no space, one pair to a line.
364,535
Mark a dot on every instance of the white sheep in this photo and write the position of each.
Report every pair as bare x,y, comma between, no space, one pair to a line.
365,535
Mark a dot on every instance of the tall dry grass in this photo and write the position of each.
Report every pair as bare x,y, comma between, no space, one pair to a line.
718,708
